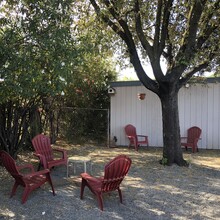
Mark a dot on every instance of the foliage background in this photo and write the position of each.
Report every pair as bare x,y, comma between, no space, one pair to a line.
51,57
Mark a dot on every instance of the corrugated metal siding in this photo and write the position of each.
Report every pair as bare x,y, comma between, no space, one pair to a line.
145,114
199,105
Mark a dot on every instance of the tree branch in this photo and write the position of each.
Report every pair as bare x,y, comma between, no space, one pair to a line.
157,27
155,60
187,49
164,31
190,73
209,29
148,48
128,39
107,20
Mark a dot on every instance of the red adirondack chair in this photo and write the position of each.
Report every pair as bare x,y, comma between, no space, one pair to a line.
193,136
135,139
45,153
114,173
29,181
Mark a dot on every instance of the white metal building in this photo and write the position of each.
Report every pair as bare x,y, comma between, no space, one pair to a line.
199,105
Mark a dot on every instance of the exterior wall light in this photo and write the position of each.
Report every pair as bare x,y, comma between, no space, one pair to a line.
141,96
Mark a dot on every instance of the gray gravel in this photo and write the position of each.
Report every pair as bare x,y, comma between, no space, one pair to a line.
150,191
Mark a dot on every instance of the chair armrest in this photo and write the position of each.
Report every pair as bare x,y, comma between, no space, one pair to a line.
129,136
140,135
42,159
59,149
41,172
64,152
38,155
196,140
90,178
25,166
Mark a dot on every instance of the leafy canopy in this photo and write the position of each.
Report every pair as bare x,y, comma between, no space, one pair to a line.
36,48
185,34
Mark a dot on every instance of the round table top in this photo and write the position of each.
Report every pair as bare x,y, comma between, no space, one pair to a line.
79,158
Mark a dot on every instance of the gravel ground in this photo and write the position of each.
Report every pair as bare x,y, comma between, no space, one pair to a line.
150,190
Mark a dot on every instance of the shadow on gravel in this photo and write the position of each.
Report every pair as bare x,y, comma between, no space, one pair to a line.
150,190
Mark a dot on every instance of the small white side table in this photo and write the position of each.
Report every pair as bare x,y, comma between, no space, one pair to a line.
79,159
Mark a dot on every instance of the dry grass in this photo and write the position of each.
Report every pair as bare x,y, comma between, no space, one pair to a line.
101,154
151,191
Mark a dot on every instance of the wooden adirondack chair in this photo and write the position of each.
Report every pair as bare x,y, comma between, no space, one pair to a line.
29,181
45,153
193,136
114,173
135,139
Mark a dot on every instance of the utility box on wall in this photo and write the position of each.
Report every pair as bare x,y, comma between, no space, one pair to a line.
111,91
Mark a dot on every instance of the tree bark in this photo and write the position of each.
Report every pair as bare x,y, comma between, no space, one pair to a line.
172,151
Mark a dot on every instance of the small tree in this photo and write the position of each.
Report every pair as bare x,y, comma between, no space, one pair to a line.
36,54
41,56
185,34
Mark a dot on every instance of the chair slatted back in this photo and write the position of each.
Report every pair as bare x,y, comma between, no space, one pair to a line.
42,145
193,133
130,130
10,166
115,171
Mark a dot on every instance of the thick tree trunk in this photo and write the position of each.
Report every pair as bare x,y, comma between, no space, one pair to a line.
172,152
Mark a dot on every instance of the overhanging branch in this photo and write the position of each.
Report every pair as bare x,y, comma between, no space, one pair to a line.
145,44
165,23
107,20
187,50
122,29
190,73
209,29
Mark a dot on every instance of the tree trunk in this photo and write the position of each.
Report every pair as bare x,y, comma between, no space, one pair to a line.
35,122
172,152
14,121
52,127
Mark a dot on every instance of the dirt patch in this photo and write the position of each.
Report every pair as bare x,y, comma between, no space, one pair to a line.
150,190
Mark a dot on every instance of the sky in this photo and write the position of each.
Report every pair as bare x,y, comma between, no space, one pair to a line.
130,74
